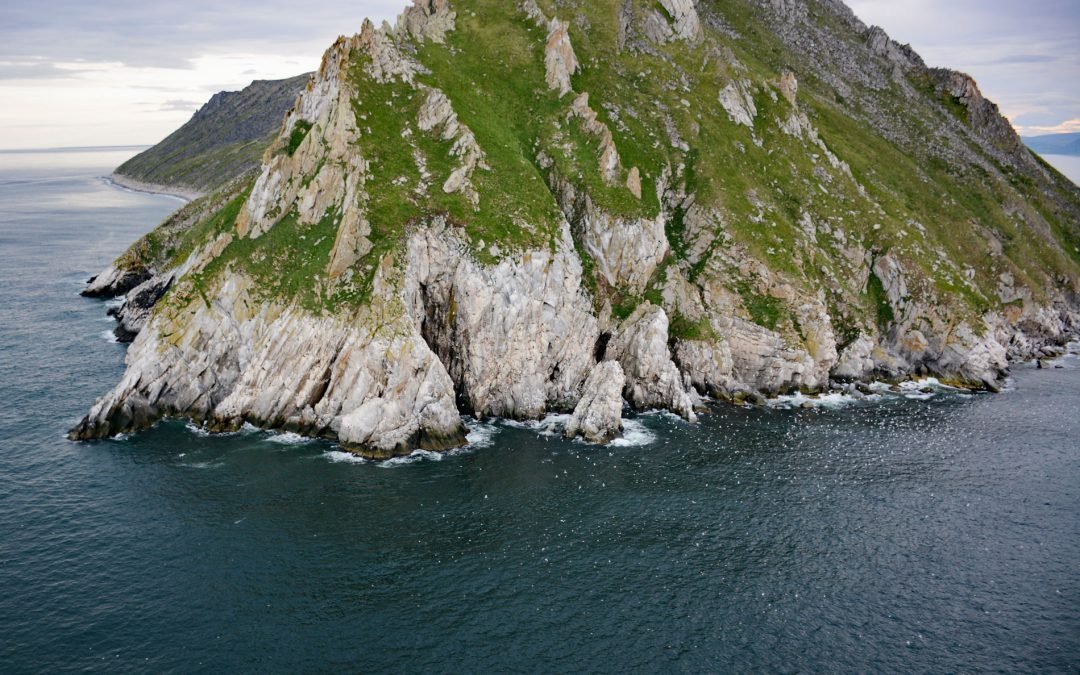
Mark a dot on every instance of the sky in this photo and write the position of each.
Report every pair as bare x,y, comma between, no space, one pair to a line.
129,72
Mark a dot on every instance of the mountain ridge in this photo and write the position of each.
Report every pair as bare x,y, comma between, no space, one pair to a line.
733,199
1055,144
225,138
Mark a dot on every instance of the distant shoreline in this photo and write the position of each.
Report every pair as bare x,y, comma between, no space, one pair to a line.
123,182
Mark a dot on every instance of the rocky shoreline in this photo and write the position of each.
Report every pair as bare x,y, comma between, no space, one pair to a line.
180,192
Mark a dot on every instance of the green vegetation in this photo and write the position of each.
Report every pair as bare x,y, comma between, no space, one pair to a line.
764,310
879,301
299,133
811,190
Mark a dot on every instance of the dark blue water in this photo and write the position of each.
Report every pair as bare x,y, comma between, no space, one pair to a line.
901,534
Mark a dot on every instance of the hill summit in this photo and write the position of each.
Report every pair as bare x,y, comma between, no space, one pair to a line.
508,209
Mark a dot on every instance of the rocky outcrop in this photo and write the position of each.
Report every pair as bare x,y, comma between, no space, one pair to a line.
140,301
679,20
983,115
559,58
652,379
517,338
428,20
626,251
738,102
422,243
598,415
113,281
374,386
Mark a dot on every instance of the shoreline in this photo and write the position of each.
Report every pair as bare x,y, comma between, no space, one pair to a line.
125,183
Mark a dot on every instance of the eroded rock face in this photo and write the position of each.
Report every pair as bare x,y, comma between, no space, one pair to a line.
652,379
856,360
134,313
517,338
736,99
428,20
627,251
559,58
374,386
112,282
598,415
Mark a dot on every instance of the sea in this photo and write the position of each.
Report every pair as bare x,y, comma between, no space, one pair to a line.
1069,165
920,529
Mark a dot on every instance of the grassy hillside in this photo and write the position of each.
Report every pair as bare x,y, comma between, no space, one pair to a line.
873,154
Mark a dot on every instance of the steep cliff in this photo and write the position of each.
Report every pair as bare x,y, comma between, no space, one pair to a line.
500,209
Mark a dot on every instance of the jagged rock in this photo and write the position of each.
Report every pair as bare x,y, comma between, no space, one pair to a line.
112,282
627,251
687,24
984,116
652,379
416,314
428,20
736,99
900,55
133,314
598,415
789,86
376,387
559,58
438,112
856,360
609,155
517,338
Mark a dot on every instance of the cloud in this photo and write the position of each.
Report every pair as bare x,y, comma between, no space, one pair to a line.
180,105
37,70
170,35
1027,58
1066,127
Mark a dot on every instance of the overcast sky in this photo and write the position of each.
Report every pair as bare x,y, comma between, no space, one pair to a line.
118,72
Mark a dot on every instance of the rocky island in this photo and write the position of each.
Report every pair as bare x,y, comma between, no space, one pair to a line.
509,209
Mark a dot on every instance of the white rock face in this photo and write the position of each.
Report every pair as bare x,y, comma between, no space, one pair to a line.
737,101
627,251
517,338
428,20
370,384
437,112
652,379
598,415
678,21
687,23
856,360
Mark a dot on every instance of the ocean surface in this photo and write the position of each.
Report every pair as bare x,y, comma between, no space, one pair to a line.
922,530
1069,165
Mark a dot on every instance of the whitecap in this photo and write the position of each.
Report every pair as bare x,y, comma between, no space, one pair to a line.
480,435
109,336
115,302
196,429
339,457
657,412
634,434
552,425
289,438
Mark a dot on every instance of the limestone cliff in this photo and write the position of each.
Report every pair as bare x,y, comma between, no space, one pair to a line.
510,210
